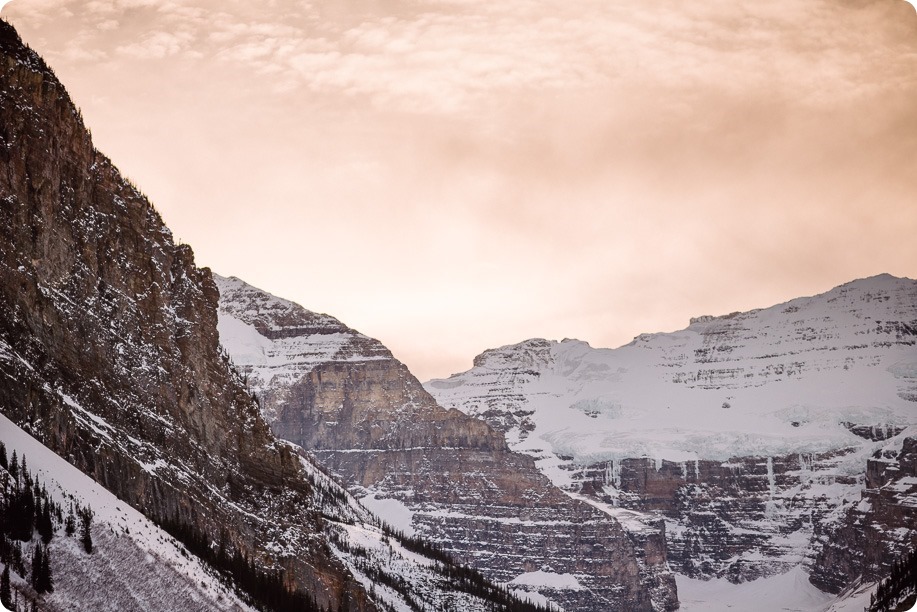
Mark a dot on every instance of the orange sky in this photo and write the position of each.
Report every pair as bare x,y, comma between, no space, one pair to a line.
454,175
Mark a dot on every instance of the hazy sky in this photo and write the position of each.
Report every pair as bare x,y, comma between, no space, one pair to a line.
454,175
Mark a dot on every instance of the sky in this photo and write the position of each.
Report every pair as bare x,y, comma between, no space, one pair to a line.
455,175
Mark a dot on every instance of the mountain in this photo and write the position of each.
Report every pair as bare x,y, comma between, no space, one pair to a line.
750,433
110,358
436,473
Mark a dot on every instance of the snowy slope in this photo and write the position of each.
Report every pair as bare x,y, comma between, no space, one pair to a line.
769,382
162,575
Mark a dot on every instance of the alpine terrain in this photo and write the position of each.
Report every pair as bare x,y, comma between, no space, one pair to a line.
767,440
110,359
435,473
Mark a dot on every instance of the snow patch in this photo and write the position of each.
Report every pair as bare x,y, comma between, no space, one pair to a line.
549,580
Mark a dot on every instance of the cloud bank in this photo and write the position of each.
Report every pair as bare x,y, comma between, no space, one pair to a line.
454,175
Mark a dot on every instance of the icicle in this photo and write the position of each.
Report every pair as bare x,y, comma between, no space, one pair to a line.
770,507
613,474
771,480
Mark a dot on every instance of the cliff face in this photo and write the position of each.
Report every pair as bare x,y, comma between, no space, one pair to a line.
433,471
109,351
878,530
747,433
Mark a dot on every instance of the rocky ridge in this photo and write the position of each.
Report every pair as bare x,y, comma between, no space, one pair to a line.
435,472
749,433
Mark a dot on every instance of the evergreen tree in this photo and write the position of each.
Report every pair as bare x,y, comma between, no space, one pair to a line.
44,523
14,467
47,580
37,562
85,529
70,523
3,462
6,595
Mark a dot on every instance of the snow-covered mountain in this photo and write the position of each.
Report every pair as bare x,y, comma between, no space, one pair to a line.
793,378
438,473
750,432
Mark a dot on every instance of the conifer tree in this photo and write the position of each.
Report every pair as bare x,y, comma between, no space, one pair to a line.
85,529
6,595
43,523
70,522
47,580
37,562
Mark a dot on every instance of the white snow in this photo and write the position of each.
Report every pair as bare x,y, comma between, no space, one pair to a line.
392,511
790,591
550,580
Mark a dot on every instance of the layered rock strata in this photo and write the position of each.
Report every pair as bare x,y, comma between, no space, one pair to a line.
431,471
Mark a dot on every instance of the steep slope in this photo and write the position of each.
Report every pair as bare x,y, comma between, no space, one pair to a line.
749,432
110,357
163,576
430,471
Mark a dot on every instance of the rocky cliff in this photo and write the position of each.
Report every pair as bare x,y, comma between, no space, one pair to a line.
880,528
109,351
431,471
749,433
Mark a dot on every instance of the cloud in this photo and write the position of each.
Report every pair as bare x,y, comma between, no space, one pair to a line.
491,171
156,45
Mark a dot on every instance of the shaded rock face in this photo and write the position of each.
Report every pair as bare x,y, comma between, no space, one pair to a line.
450,477
743,519
880,528
109,350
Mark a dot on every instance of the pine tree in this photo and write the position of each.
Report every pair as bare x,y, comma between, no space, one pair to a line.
70,523
37,562
3,462
43,523
47,580
85,529
14,467
6,595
